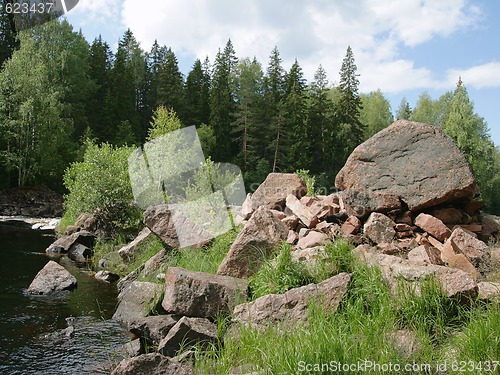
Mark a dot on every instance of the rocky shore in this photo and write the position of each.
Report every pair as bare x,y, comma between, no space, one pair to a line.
31,203
407,202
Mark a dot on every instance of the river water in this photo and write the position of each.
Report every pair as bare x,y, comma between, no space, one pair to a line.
31,327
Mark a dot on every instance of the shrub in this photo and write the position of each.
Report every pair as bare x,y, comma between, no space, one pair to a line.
100,185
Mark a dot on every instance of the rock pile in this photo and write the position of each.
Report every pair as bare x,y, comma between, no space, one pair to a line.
406,199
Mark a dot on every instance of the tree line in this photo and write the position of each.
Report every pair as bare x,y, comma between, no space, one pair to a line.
57,90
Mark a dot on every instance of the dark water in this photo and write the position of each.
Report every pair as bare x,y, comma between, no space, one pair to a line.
31,337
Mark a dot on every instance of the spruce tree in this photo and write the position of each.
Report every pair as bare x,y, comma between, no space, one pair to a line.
349,107
247,127
197,95
404,110
321,125
8,34
222,102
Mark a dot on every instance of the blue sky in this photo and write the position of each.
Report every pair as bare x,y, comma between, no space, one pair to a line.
403,47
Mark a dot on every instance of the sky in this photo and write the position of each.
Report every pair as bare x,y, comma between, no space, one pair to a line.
402,47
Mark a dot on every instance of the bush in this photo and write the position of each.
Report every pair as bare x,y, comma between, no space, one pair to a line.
100,185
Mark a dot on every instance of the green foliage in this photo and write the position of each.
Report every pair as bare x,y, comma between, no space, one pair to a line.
428,309
279,275
479,340
164,121
207,139
42,106
404,110
376,113
100,185
309,180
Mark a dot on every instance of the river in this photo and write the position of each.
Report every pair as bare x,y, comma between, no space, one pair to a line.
31,327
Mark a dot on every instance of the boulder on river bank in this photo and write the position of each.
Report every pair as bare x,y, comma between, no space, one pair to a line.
52,278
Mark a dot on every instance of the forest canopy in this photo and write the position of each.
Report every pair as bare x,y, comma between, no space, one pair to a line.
57,90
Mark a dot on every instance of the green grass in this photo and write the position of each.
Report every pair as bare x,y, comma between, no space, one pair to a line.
362,328
206,259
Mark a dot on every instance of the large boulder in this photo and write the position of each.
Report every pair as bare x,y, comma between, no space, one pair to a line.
292,306
136,301
276,187
172,224
200,294
414,161
51,279
151,364
254,244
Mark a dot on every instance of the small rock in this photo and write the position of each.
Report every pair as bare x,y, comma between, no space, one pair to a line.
136,301
51,279
425,254
291,222
153,328
63,244
448,215
379,228
188,332
127,252
452,256
107,276
312,239
79,253
475,250
151,364
363,203
292,238
489,292
303,212
433,226
351,226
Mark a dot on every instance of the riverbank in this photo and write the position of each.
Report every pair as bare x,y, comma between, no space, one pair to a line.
31,202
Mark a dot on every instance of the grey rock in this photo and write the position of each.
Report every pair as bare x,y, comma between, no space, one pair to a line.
151,364
128,251
254,243
136,301
276,187
51,279
107,276
363,203
414,161
200,294
188,332
63,244
379,228
80,253
455,283
153,328
292,307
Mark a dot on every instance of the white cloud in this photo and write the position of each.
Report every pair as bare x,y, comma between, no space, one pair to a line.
97,10
315,32
481,76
